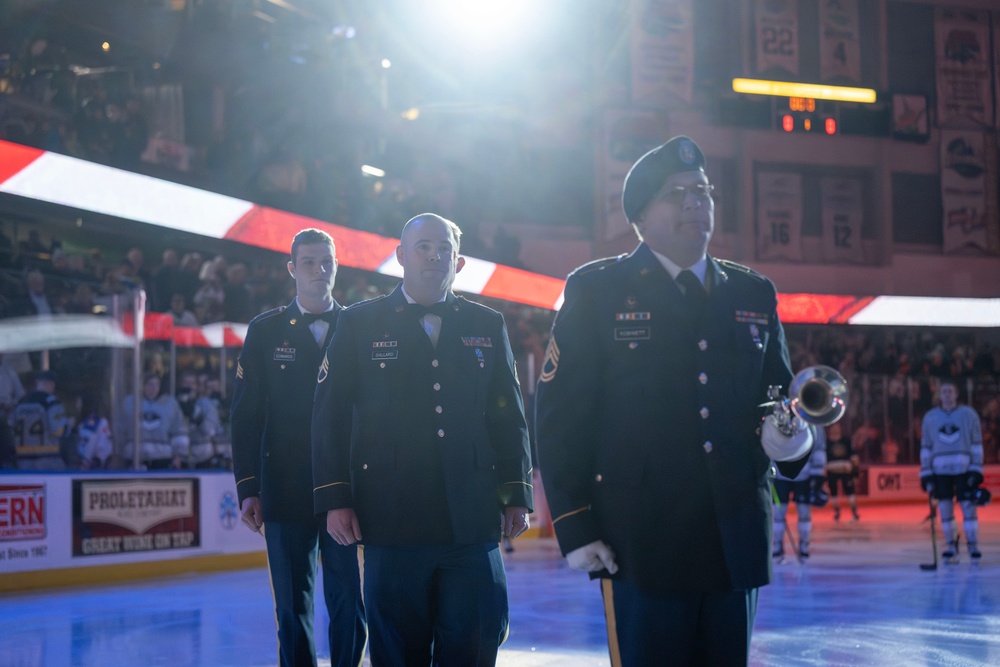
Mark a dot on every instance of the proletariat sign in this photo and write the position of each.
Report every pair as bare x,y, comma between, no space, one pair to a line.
112,516
93,519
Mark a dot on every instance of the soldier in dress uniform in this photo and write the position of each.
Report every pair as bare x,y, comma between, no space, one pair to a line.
649,428
271,417
420,450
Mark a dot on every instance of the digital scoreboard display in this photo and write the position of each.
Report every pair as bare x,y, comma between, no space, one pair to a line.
806,114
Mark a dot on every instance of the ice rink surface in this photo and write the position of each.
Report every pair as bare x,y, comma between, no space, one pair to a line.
861,599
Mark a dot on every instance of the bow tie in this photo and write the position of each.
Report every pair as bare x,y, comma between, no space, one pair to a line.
418,310
309,318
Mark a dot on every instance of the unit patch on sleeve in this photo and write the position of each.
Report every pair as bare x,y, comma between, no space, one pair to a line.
551,363
324,369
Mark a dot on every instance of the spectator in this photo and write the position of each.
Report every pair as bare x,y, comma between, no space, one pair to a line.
165,282
181,315
163,436
236,304
204,424
35,299
93,433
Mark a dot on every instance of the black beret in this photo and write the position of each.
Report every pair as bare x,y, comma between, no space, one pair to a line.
647,175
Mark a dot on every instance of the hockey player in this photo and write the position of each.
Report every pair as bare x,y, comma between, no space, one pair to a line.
806,489
842,467
163,433
951,466
39,422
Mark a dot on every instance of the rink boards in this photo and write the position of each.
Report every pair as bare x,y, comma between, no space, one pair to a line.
74,528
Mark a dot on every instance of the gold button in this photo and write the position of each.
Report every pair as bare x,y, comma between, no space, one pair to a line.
708,447
438,409
437,386
704,413
703,345
364,466
434,363
599,478
440,432
702,378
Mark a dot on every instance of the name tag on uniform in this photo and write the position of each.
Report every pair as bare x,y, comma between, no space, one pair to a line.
477,341
632,333
378,355
284,354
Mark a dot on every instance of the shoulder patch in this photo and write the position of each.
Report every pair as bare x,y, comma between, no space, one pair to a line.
739,268
268,314
598,264
374,299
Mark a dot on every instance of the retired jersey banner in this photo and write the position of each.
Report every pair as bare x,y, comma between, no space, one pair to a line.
662,34
964,80
839,41
964,174
779,216
842,206
777,27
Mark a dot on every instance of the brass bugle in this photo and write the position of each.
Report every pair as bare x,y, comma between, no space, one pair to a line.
818,395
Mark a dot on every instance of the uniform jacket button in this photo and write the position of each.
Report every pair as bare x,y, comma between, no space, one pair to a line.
702,378
708,447
703,345
364,466
599,478
440,432
438,409
434,363
437,386
704,413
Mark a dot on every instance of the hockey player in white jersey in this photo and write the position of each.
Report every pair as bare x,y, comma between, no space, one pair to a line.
951,466
163,437
39,423
806,490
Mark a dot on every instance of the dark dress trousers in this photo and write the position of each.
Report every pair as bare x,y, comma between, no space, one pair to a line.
647,419
428,445
271,431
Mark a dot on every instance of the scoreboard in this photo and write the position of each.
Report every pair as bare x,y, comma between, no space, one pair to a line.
806,114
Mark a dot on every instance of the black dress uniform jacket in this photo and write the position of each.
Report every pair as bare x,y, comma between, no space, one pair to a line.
427,444
647,422
272,413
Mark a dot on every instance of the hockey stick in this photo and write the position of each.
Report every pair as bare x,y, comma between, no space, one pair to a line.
791,540
930,567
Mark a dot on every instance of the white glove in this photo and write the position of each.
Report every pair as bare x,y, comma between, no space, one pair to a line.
781,447
592,557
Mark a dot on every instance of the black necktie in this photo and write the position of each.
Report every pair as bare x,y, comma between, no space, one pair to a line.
418,310
694,293
309,318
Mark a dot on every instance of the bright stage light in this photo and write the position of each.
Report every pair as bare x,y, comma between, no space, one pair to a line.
482,23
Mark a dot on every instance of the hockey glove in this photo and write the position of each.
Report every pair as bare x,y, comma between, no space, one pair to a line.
927,483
